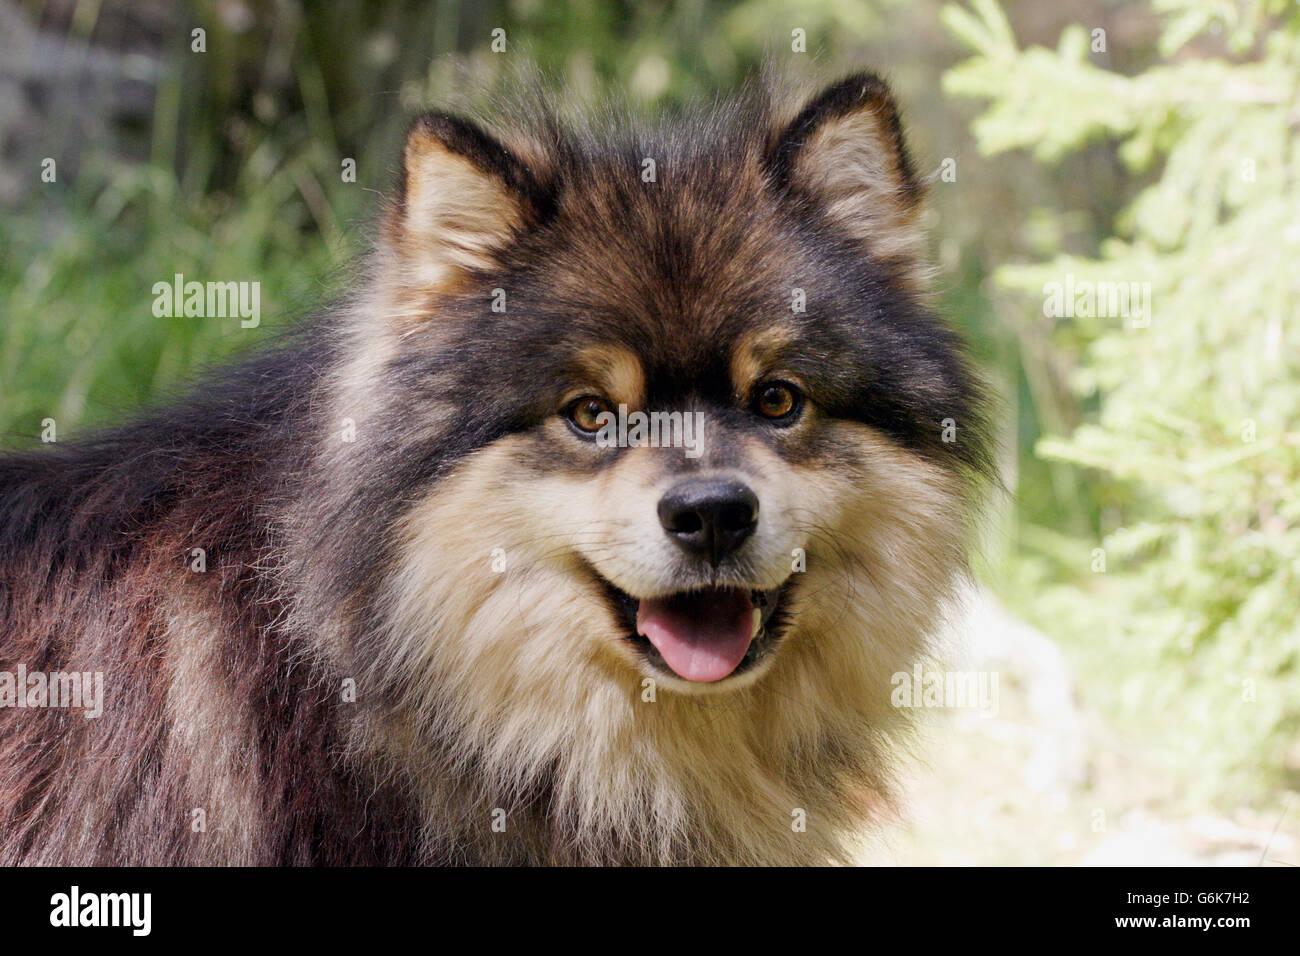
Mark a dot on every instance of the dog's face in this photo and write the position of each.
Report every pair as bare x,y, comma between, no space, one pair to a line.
703,411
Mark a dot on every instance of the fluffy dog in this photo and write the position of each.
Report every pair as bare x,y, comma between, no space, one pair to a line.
589,529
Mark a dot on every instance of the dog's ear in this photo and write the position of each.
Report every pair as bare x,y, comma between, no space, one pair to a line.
845,153
462,199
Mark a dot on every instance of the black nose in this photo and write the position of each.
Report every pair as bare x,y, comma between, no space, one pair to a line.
709,518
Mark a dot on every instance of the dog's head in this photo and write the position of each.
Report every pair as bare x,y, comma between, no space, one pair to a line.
686,396
635,410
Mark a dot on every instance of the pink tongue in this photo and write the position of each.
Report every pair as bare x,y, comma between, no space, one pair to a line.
702,637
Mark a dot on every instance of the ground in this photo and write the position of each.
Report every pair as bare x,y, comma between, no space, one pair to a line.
1047,780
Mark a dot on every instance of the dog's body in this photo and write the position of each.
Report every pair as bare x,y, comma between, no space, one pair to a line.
433,618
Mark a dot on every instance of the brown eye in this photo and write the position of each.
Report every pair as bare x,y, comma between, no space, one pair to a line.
585,412
777,400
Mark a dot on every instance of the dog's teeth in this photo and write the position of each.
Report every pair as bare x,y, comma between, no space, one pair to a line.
758,623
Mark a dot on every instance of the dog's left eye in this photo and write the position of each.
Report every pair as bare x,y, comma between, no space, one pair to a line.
779,401
584,413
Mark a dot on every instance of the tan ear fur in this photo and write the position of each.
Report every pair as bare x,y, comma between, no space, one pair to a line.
845,152
460,204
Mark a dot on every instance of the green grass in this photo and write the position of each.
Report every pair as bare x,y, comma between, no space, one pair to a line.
80,343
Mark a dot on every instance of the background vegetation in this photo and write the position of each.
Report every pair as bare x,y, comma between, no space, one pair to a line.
1162,149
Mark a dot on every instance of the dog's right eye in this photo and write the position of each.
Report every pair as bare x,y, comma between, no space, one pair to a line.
584,413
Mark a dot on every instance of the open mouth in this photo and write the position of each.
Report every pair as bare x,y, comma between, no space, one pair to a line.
705,635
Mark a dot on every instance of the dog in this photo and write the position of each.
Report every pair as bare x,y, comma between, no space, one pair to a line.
589,529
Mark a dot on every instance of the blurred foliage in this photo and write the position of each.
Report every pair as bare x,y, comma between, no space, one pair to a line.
1195,438
1118,164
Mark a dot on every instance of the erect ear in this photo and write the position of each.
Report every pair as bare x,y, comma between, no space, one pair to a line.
463,198
844,151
